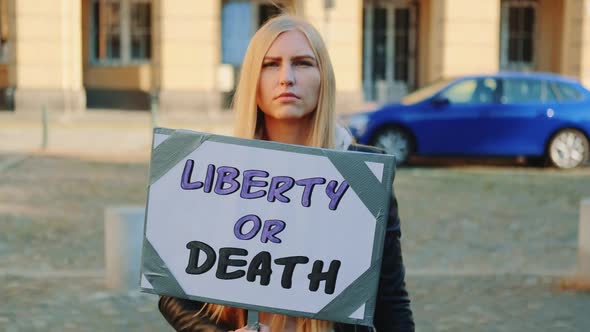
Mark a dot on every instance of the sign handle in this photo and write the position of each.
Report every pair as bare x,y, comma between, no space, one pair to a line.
253,320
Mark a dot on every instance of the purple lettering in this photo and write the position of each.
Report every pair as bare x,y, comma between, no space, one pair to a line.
336,194
240,223
253,184
249,182
271,228
209,178
227,175
278,185
185,182
309,183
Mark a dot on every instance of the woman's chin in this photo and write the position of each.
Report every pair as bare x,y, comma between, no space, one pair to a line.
289,114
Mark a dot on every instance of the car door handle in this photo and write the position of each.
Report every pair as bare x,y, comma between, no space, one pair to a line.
549,112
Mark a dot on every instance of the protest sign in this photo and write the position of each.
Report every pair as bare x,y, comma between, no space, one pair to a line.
266,226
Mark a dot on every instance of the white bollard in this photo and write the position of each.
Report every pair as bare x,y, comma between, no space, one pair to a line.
123,230
584,240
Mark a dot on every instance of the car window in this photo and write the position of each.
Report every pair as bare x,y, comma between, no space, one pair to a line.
568,93
548,93
425,92
461,92
522,91
485,92
472,91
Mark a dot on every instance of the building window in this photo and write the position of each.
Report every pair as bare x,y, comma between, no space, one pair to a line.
389,45
120,31
239,21
4,42
236,31
402,45
518,35
141,24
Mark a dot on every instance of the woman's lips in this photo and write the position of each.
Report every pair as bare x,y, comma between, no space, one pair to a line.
287,95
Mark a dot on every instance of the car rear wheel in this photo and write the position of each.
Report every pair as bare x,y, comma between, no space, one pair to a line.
395,141
569,148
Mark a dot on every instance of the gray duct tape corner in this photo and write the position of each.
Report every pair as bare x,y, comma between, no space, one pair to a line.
158,274
172,151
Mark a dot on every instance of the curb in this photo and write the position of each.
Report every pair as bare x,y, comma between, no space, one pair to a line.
12,162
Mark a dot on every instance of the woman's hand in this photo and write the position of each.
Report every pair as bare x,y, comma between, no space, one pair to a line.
263,328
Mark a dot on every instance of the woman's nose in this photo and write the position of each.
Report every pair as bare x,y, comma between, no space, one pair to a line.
287,76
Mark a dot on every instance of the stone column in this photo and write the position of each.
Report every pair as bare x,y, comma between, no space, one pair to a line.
341,27
47,70
548,43
463,37
575,56
186,35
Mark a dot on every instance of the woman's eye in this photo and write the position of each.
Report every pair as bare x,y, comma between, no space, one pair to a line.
269,64
304,63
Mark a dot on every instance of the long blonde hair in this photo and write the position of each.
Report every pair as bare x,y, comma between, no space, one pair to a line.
237,317
249,122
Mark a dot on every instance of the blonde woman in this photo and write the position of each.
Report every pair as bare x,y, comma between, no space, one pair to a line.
286,94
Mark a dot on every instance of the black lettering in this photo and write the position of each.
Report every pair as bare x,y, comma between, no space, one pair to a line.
225,262
289,263
330,276
260,266
196,247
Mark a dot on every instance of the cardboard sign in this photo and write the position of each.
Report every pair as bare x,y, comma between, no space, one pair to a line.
266,226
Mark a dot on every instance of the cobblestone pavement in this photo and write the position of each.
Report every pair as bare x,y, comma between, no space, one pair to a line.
493,303
484,246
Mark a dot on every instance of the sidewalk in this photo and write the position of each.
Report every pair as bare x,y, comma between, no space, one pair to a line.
103,134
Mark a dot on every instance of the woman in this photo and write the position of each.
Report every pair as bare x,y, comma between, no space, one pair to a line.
286,94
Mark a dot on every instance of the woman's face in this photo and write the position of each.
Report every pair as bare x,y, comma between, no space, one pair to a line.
289,83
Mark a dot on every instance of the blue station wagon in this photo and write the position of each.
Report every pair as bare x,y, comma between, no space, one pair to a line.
506,114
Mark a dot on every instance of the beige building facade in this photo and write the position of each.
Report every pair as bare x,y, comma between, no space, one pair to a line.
70,55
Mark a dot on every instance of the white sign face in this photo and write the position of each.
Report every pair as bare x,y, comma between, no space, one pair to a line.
261,228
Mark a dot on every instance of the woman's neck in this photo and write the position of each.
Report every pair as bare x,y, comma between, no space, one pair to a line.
292,131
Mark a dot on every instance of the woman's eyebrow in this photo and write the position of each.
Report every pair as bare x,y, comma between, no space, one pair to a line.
303,57
297,57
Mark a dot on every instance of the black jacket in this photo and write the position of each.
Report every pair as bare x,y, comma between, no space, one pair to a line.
392,310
